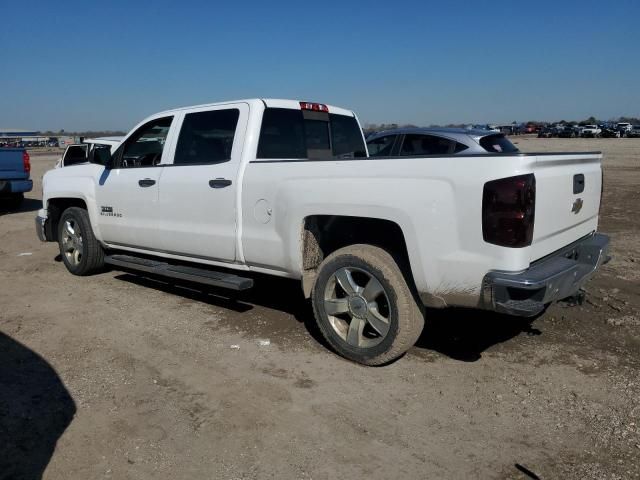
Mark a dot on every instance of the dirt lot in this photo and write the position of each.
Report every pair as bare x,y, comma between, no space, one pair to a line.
115,376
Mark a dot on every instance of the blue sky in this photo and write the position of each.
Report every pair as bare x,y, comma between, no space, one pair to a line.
106,65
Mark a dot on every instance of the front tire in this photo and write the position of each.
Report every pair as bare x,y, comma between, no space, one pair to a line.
364,307
81,253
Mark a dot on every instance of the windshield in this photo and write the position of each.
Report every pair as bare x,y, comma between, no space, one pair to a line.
498,144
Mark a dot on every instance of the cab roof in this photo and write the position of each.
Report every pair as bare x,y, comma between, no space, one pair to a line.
267,102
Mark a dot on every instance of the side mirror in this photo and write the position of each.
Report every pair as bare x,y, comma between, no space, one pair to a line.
74,154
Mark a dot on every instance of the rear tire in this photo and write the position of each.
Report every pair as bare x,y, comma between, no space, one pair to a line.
81,253
364,307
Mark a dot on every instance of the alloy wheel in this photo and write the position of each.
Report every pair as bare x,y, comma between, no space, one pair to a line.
357,307
72,246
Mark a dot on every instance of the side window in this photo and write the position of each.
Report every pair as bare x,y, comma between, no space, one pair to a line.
100,154
460,147
426,145
206,137
282,134
144,147
498,144
382,146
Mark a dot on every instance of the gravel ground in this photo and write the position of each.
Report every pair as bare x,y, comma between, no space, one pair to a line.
116,376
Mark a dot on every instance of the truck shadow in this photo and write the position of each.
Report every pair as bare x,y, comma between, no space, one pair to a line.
461,334
35,410
269,293
27,205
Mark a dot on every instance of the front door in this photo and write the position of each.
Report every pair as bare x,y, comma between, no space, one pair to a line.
127,193
198,191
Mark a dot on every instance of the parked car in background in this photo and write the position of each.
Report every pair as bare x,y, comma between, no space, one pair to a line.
623,128
15,169
547,132
591,131
402,142
610,132
568,131
92,150
490,128
634,132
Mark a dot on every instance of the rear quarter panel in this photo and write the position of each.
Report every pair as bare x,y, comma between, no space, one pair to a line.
436,202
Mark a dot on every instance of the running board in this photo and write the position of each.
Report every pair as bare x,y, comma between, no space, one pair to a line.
192,274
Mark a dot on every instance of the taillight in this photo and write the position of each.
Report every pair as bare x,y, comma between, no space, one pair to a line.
26,163
508,211
316,107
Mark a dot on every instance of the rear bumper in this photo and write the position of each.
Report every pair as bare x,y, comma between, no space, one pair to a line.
552,278
15,186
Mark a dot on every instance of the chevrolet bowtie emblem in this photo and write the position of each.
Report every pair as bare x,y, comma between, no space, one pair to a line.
577,206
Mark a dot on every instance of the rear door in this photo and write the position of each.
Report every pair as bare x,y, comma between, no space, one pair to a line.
198,191
568,189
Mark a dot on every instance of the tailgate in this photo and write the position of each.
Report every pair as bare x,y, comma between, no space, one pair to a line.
11,165
568,189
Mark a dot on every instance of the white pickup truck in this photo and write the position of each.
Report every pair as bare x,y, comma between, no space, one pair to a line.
591,131
214,192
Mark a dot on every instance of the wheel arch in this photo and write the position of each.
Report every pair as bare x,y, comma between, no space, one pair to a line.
55,207
322,235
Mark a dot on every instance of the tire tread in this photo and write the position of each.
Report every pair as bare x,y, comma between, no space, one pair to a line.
94,253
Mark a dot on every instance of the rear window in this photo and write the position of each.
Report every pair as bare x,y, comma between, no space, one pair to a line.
317,135
498,144
346,137
290,134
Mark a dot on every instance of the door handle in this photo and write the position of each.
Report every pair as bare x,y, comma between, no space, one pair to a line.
219,183
147,182
578,183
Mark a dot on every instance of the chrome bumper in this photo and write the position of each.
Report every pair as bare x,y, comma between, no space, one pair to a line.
552,278
40,228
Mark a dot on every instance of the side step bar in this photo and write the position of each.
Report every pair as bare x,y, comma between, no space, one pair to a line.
192,274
